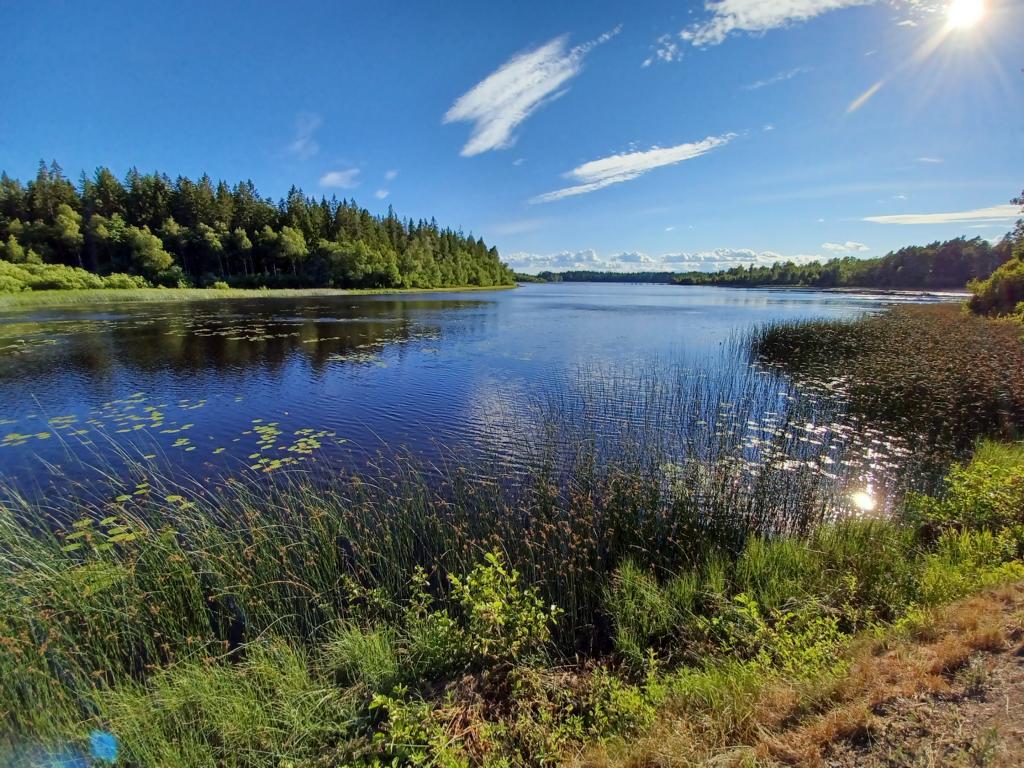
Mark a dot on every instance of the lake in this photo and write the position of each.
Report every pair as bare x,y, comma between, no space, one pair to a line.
268,385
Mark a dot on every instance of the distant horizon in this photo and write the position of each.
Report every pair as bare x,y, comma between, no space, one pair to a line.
656,138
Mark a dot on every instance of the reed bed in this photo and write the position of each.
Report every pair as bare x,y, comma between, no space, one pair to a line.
934,374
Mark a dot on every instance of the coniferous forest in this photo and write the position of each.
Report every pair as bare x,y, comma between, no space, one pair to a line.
940,265
151,230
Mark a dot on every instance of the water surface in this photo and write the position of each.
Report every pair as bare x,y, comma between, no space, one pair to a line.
273,384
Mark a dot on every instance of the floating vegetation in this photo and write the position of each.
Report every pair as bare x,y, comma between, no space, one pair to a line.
934,375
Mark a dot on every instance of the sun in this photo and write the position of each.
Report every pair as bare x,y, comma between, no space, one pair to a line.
964,14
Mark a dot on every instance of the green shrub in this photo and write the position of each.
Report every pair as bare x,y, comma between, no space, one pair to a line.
985,494
220,285
1003,291
120,280
435,642
503,622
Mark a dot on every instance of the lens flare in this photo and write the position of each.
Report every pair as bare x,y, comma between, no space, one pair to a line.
963,14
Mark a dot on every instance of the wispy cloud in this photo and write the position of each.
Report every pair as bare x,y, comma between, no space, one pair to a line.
849,246
391,175
779,77
1005,212
615,169
665,49
345,179
380,194
304,145
930,160
755,16
500,102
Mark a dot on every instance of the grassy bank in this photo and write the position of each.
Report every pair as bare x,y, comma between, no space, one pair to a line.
29,299
289,628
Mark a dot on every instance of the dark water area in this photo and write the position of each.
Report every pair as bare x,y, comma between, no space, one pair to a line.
273,385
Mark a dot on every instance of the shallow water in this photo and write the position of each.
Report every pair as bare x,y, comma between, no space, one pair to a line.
274,384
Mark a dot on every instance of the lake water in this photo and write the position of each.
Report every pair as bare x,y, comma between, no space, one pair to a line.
276,384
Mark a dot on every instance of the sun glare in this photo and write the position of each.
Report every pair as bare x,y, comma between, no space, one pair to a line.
963,14
863,501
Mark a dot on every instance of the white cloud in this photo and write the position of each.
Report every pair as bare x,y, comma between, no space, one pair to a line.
754,16
504,99
1006,212
907,23
779,77
614,169
848,247
304,145
637,261
665,49
391,175
518,161
346,179
380,194
929,160
669,229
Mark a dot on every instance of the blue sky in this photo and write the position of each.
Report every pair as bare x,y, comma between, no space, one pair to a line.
643,135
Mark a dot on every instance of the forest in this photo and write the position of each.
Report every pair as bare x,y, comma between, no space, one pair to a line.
940,265
150,230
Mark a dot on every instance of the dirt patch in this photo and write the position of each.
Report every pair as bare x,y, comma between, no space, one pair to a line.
952,698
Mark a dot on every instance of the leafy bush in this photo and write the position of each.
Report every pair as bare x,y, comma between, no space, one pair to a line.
120,280
1003,291
503,622
985,494
220,285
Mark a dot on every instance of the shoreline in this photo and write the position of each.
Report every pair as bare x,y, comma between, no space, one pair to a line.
57,298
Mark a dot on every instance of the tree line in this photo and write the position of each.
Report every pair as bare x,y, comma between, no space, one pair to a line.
939,265
1002,292
186,232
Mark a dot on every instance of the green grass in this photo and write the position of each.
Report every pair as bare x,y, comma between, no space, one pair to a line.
29,299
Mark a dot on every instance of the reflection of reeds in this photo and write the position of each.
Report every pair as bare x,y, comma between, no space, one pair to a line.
933,374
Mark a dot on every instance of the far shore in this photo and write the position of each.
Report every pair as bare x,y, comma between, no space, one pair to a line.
29,299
